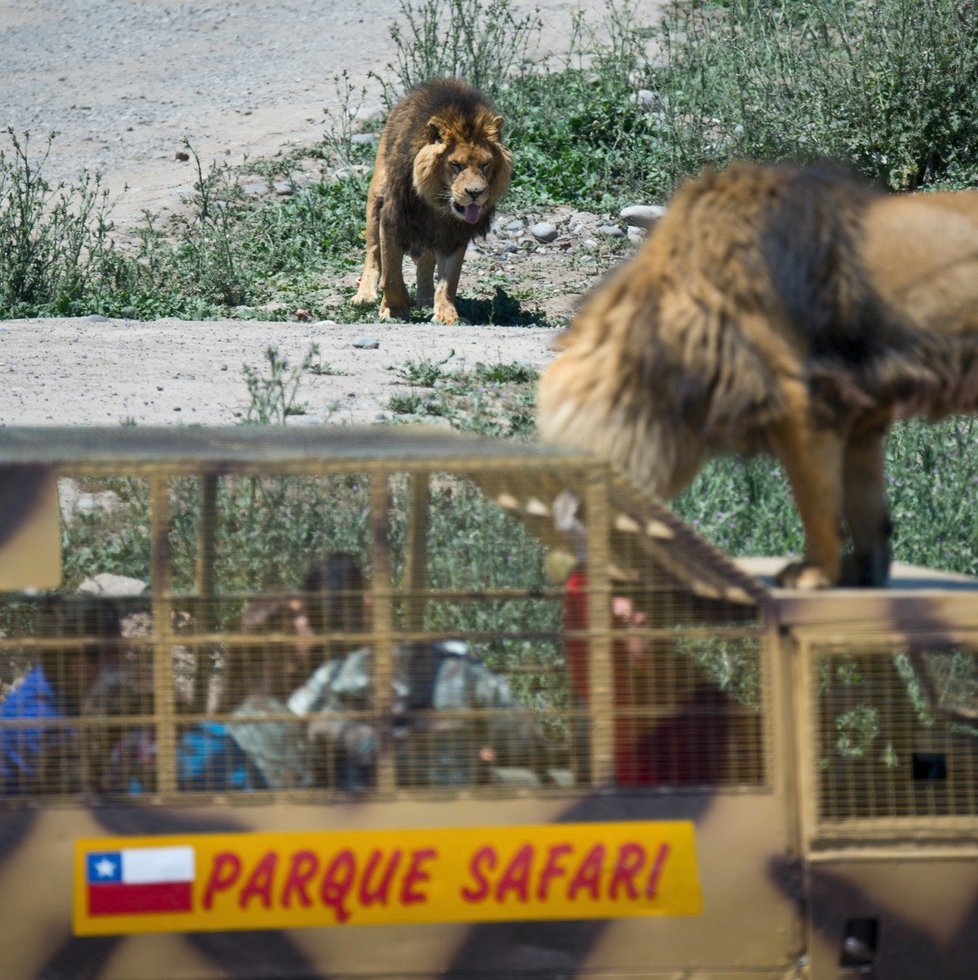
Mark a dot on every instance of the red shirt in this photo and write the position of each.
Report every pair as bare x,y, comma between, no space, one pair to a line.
576,648
630,769
687,747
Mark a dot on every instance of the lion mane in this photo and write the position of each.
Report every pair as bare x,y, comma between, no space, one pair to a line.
793,311
440,170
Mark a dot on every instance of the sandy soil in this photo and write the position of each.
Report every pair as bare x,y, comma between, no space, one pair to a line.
123,84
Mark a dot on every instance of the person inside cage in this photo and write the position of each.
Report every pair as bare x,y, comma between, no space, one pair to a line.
259,678
80,642
686,744
300,697
263,745
250,751
481,726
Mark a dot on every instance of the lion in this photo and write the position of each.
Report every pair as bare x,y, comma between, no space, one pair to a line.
793,311
441,168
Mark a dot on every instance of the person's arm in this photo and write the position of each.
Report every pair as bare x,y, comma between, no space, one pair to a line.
32,759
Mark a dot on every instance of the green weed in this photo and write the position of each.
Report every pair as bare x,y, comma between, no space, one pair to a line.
423,373
886,86
273,397
491,399
487,44
55,249
745,506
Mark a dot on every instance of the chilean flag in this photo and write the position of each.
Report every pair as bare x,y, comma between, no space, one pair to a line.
140,879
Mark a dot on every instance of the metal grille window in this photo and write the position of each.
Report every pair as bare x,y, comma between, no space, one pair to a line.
383,613
895,737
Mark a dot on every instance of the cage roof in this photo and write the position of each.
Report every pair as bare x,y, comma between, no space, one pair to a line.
532,482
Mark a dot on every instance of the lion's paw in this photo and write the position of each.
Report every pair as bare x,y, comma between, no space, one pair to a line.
868,569
445,313
803,575
394,312
365,297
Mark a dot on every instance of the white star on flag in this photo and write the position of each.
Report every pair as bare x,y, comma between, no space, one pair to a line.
105,868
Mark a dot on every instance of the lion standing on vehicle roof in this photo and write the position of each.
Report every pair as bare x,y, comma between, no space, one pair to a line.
793,311
441,168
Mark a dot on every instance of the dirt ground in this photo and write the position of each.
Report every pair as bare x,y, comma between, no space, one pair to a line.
123,84
166,372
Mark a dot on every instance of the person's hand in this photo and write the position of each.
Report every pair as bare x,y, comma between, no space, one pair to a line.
626,617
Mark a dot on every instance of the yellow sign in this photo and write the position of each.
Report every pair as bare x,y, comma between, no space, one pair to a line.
371,877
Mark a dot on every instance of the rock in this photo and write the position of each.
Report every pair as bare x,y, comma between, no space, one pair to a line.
366,343
543,231
642,215
323,324
516,225
611,231
97,318
363,139
284,188
106,583
72,500
255,188
357,168
645,99
635,234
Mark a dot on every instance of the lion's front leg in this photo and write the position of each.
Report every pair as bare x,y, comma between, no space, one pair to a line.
425,295
396,304
449,270
813,460
368,289
865,506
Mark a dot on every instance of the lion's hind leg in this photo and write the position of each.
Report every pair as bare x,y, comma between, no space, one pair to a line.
865,506
425,295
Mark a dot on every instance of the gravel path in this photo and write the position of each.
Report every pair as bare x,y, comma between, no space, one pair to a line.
97,372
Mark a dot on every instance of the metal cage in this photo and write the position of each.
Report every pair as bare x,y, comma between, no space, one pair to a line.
463,659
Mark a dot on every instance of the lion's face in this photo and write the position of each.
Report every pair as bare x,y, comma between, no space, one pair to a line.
463,169
467,170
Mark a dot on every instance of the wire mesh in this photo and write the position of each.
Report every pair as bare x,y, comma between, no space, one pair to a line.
896,733
381,628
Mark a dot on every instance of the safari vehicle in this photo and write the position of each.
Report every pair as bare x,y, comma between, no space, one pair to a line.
738,782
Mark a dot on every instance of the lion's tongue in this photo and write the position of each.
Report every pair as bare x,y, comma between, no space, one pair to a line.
472,213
